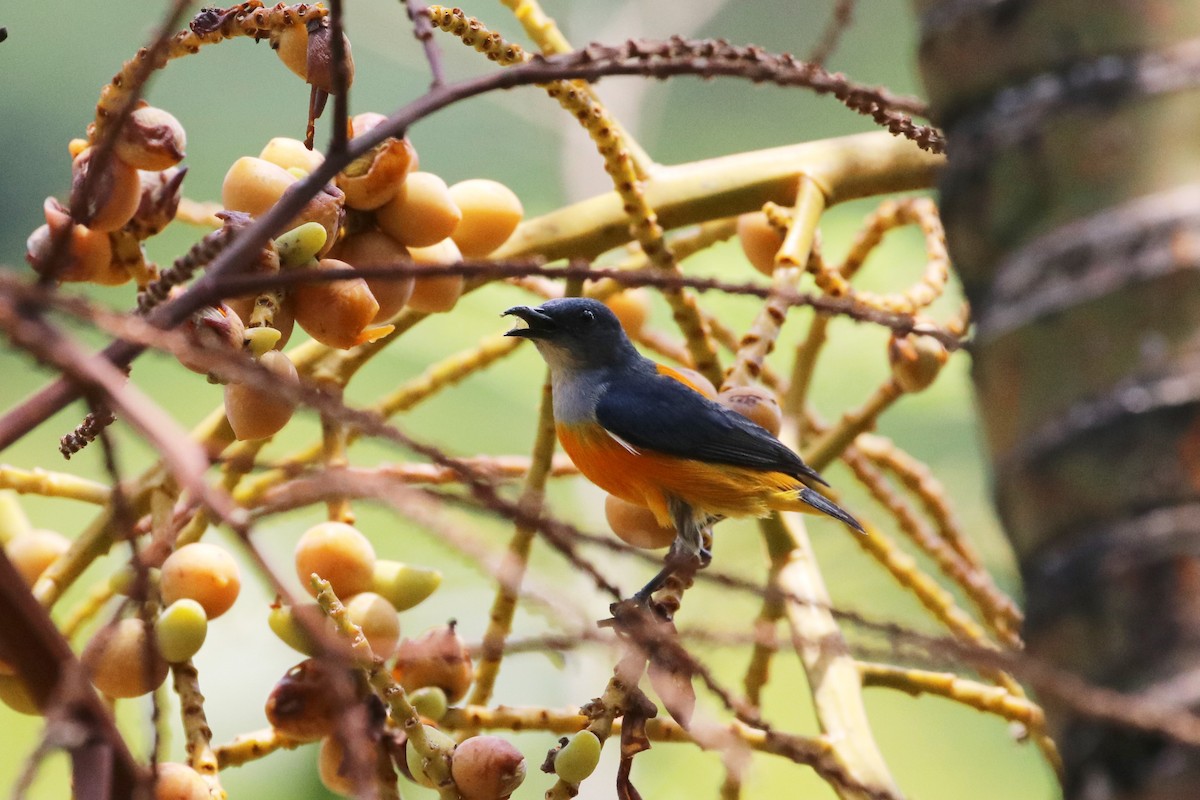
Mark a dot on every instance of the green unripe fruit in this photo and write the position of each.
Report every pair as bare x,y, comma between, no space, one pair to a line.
430,702
301,244
124,580
180,630
578,759
404,585
440,746
284,623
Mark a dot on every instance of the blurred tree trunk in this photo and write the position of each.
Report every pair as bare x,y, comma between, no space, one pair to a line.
1072,208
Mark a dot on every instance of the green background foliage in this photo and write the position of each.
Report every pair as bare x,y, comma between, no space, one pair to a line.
233,97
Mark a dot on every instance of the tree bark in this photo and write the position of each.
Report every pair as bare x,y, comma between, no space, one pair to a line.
1072,209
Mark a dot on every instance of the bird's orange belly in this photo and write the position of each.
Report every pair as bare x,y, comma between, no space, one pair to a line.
648,478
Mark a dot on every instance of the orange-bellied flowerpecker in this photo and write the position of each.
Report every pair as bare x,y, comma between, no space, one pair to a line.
637,430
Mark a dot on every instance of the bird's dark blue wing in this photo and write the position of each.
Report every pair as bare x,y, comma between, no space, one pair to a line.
656,412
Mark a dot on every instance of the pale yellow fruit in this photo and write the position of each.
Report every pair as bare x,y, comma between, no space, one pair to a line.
291,154
436,294
636,525
490,214
254,185
632,307
377,250
256,413
32,552
760,241
422,213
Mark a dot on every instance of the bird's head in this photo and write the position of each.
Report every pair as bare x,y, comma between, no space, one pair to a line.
574,333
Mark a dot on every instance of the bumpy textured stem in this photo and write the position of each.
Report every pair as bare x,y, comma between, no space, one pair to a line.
789,267
991,603
401,711
642,220
248,19
517,558
829,445
919,211
832,673
988,699
544,32
198,735
53,484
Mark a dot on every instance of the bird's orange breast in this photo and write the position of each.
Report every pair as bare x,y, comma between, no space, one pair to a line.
648,478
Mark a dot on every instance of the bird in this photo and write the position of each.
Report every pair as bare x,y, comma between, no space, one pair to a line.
642,432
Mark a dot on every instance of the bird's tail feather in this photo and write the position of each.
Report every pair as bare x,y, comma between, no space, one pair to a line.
823,504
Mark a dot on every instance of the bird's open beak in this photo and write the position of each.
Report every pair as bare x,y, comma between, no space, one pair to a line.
538,324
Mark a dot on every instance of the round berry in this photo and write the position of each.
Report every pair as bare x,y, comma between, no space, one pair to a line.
760,241
180,630
16,695
487,768
695,380
335,313
340,554
578,758
430,702
404,585
632,307
120,661
439,743
291,154
377,250
288,623
636,525
436,293
114,196
35,550
180,782
374,178
422,213
756,404
254,185
303,705
256,413
152,139
438,658
490,214
203,572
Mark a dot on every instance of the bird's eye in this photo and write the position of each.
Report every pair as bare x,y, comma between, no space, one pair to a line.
587,316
